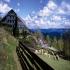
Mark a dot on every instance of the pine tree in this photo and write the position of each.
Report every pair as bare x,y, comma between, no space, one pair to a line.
66,40
54,44
60,44
48,39
24,33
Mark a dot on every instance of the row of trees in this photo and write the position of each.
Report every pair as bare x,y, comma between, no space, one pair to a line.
62,43
56,43
66,40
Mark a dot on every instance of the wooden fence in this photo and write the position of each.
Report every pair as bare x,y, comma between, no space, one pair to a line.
29,60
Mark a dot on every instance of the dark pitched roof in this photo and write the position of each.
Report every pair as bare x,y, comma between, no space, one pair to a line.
18,18
11,11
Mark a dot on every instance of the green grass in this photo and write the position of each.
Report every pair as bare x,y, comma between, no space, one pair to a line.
60,64
8,63
10,48
9,43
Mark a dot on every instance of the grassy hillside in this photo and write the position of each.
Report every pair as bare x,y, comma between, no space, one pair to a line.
7,47
60,64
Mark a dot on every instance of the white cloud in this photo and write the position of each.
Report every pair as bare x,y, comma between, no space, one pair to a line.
51,5
44,12
60,11
51,16
56,18
4,8
48,9
28,18
65,5
64,8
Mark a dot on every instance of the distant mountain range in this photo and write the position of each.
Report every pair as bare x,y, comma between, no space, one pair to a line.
51,32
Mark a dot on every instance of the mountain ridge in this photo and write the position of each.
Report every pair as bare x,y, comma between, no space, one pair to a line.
51,32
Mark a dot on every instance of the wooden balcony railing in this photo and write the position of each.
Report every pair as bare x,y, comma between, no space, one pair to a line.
29,60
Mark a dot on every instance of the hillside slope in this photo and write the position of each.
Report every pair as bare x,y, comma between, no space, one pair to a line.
8,58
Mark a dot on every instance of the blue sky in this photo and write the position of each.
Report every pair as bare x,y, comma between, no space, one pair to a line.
42,14
24,7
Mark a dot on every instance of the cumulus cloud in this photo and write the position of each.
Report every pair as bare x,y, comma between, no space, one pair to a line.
48,9
51,16
4,8
64,8
51,5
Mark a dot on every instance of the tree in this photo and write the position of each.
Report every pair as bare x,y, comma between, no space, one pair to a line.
54,44
48,39
60,44
66,40
24,33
